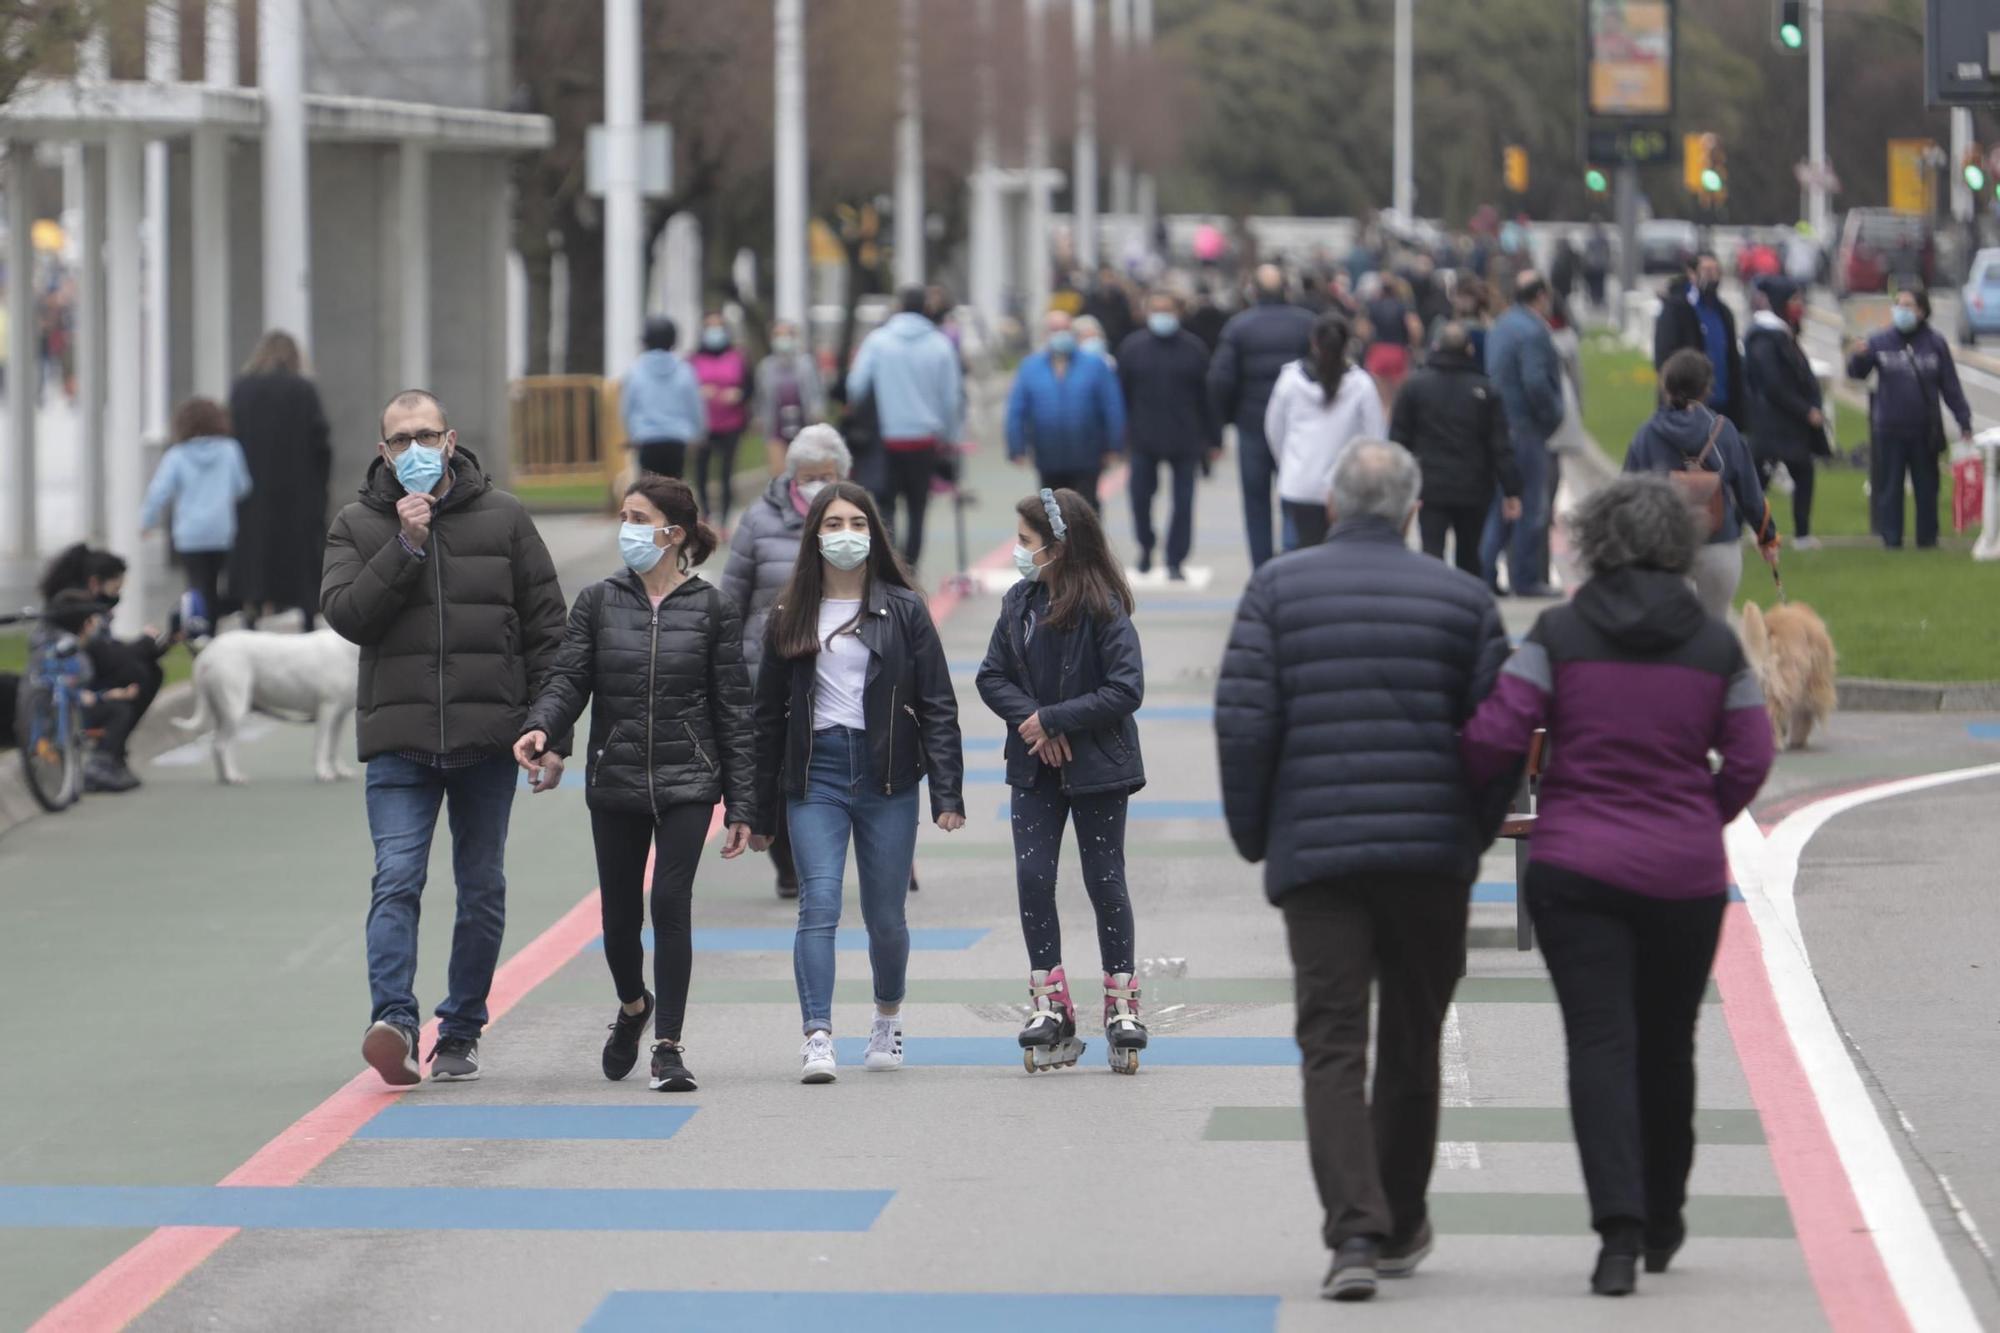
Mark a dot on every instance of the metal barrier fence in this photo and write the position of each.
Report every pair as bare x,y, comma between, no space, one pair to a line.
566,428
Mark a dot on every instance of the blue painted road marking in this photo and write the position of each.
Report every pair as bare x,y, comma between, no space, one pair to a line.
778,939
1184,1052
925,1311
1983,731
426,1120
330,1208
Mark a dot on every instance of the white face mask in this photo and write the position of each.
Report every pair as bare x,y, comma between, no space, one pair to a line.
1024,561
845,551
809,490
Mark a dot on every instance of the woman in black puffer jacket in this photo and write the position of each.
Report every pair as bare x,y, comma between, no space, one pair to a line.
660,651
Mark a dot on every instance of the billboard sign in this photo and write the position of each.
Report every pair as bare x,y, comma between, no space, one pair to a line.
1629,54
1962,53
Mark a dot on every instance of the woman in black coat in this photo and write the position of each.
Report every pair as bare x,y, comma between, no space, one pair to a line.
1787,425
658,652
281,528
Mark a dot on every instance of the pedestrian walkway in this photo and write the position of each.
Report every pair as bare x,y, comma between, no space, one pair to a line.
958,1193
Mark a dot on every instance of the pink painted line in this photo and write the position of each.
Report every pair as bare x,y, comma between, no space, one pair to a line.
128,1286
1846,1268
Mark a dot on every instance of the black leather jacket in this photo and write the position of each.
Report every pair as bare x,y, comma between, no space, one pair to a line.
911,711
670,695
1103,684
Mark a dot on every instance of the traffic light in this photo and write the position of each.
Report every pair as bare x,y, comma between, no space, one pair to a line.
1514,165
1973,169
1788,26
1704,167
1594,181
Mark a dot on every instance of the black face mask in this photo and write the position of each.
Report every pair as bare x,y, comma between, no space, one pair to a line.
1709,289
109,601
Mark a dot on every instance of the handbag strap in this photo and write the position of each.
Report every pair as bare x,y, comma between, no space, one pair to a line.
1695,464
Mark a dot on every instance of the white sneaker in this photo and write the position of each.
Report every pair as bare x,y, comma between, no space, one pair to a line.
885,1044
1806,544
818,1056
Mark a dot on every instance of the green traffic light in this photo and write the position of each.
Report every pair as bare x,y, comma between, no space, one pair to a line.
1975,177
1711,180
1791,35
1593,180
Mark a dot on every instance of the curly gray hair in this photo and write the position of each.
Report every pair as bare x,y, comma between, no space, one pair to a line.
1640,522
819,443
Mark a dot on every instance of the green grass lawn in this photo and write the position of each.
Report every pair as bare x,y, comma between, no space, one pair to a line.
14,657
1901,615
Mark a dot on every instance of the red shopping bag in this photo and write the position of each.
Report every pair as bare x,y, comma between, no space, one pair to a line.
1968,493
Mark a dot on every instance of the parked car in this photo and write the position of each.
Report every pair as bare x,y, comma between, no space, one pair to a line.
1881,248
1667,247
1979,299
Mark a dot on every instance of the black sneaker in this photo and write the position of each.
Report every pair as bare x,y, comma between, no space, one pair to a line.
455,1060
787,888
621,1048
669,1074
1401,1260
1352,1277
1663,1240
391,1049
105,774
1175,574
1145,560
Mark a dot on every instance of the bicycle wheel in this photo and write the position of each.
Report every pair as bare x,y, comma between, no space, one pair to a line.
51,741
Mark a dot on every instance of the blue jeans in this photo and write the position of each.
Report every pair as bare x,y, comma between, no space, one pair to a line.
843,799
1257,469
403,801
1523,539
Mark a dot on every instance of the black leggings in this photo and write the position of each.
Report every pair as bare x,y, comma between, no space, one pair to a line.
1040,814
1468,522
718,454
1630,972
1801,474
1309,521
907,476
622,841
203,570
666,457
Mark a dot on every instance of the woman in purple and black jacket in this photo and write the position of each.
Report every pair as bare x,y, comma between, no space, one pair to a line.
1627,877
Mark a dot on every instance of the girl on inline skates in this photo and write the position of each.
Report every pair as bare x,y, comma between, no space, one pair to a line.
1065,674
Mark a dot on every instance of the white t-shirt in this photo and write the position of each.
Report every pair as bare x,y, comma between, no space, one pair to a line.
842,670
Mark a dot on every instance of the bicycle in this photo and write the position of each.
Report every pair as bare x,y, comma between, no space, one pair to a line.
48,716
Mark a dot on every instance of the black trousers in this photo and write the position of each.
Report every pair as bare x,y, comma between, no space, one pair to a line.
1308,522
622,842
718,456
1084,482
666,457
1372,1163
1466,522
1629,972
203,570
1801,473
1040,814
906,476
1917,460
1145,484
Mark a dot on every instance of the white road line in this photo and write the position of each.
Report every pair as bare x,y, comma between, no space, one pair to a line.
1767,870
1456,1073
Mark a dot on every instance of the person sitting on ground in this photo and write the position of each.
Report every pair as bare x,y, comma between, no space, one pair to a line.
129,667
109,708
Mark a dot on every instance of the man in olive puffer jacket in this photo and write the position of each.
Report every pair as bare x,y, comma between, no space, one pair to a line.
445,584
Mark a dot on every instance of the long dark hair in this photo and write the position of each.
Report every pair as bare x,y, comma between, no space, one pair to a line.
674,498
1330,337
1089,580
794,623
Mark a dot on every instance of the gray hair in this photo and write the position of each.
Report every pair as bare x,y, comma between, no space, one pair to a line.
1636,522
819,443
1375,479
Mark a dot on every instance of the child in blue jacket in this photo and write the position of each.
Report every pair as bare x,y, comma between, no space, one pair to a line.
203,477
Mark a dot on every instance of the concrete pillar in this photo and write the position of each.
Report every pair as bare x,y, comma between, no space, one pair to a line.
910,266
163,65
1036,252
90,338
789,151
413,208
987,268
1083,181
17,465
210,217
624,243
1145,197
221,64
125,455
1403,185
1120,85
281,73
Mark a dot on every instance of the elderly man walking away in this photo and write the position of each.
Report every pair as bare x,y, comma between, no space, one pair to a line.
912,372
1257,344
446,585
1351,668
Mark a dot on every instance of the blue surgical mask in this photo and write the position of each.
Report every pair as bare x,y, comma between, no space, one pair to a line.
1062,344
845,551
1163,324
1904,318
715,339
1094,346
635,543
419,468
1024,560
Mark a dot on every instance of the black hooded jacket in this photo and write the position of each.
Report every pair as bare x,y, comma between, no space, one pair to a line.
1450,416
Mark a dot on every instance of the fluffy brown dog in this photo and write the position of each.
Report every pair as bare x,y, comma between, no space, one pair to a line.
1792,656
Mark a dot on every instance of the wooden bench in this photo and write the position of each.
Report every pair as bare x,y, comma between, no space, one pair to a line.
1520,826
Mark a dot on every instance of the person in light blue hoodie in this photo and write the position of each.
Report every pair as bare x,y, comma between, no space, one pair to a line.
203,477
661,402
912,371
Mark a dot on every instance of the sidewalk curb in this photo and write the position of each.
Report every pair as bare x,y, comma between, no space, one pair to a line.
1861,694
155,736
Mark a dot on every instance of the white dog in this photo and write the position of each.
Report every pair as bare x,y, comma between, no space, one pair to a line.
295,677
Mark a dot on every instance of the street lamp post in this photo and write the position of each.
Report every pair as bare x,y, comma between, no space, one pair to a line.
789,187
910,266
1083,187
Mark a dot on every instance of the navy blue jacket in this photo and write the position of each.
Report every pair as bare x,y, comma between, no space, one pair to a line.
1256,346
1910,373
1167,411
1069,422
1672,436
1103,683
1351,668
